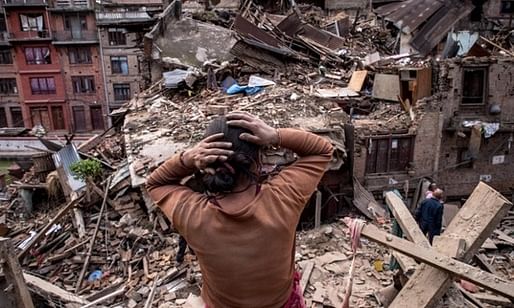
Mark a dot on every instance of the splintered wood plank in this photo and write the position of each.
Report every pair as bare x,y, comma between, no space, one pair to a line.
441,262
474,223
409,227
504,237
357,80
407,264
306,274
13,274
493,300
405,219
52,221
481,261
53,290
489,244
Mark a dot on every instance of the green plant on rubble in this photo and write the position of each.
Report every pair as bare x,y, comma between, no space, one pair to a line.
86,169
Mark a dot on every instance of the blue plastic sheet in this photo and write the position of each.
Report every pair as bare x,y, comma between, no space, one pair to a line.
236,89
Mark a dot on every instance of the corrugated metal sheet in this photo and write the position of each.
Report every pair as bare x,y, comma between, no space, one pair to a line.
345,4
251,31
438,26
293,26
429,20
63,160
290,25
409,15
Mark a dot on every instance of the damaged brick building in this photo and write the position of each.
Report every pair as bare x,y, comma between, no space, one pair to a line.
460,135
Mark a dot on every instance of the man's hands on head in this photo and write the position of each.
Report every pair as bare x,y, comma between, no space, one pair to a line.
207,152
262,133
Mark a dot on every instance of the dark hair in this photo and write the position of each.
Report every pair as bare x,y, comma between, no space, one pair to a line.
238,166
432,187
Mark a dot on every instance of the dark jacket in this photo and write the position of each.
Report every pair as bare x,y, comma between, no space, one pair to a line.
430,217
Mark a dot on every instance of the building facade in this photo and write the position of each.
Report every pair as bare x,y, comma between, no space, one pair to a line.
65,64
122,25
462,134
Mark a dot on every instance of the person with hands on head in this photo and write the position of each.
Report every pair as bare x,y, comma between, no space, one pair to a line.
242,230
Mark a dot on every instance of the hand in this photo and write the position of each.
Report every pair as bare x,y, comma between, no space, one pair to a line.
207,152
262,133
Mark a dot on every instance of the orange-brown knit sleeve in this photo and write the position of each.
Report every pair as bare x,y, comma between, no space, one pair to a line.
177,202
296,183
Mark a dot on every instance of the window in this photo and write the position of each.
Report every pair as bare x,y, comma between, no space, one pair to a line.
119,65
42,85
75,22
58,117
39,116
390,154
79,55
121,91
3,25
97,119
8,86
464,158
5,56
31,22
117,36
37,55
17,117
83,84
474,85
79,118
3,117
507,7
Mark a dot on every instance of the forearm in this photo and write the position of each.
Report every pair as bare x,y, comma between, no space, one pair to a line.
304,143
170,172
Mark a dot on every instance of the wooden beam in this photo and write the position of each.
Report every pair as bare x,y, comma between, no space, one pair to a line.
106,297
490,299
51,289
93,238
470,296
405,220
13,274
409,227
306,275
317,212
52,221
407,264
440,261
504,237
475,221
481,261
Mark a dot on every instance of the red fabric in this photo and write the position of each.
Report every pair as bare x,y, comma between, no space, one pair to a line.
355,227
296,298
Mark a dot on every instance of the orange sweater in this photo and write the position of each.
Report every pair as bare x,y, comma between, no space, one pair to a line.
246,257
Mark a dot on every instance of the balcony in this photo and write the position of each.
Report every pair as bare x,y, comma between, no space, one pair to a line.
43,35
71,6
79,37
14,3
4,38
106,18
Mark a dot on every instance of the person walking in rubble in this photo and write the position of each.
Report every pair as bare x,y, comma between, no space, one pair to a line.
243,230
429,215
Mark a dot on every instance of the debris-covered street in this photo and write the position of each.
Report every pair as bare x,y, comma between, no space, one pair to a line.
409,93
